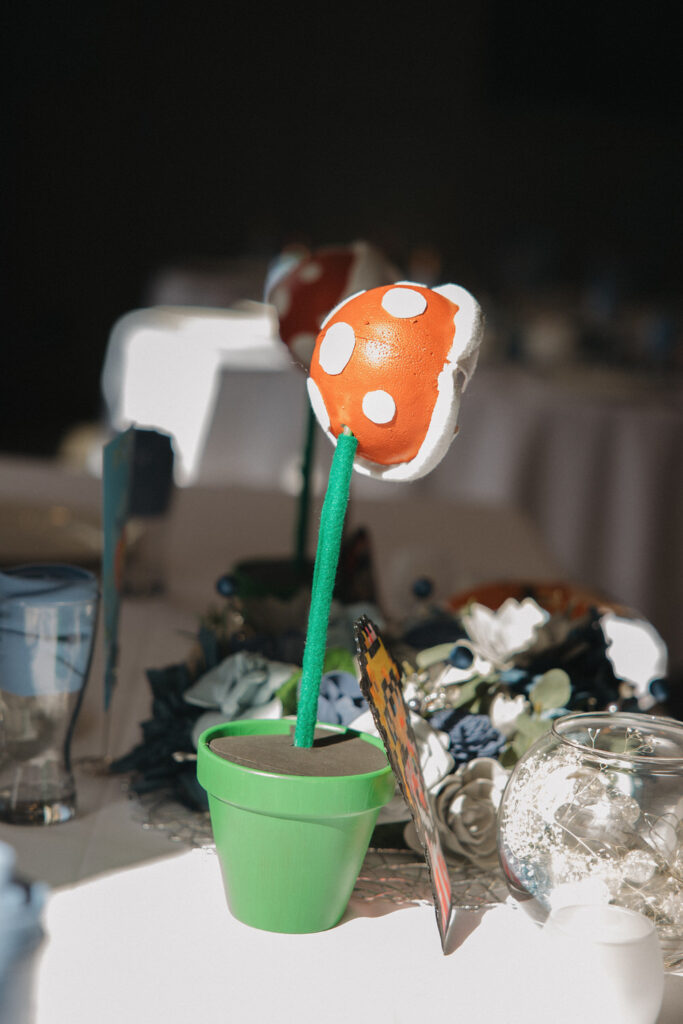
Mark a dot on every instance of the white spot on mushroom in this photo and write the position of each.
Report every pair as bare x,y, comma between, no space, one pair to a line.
337,347
310,272
404,303
319,407
379,406
281,299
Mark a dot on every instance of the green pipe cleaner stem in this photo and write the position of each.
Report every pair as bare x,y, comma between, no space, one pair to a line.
324,575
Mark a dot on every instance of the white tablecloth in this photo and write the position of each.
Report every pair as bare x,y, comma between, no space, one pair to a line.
156,943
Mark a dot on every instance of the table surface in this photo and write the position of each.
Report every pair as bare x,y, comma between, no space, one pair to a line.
136,924
157,943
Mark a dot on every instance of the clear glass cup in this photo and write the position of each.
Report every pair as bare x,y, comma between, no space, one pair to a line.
593,814
47,628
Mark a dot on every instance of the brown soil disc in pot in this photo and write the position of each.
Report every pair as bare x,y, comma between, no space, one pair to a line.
332,753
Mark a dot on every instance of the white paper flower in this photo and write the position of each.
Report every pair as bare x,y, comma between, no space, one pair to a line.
498,635
637,654
505,711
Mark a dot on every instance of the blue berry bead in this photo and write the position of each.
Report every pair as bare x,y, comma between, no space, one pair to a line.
461,656
226,586
659,690
423,587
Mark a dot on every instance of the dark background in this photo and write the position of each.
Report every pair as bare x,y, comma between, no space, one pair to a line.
529,143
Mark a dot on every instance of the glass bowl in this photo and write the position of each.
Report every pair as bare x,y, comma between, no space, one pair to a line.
593,813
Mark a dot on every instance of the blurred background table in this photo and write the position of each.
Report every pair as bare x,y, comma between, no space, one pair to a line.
594,459
589,453
591,457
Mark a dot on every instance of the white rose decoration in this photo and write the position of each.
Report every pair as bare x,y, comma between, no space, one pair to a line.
466,810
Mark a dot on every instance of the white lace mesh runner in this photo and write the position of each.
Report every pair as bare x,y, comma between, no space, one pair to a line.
394,876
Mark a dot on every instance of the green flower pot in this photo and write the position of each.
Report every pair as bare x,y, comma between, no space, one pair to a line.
290,846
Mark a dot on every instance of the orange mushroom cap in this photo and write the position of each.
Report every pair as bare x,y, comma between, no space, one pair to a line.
391,364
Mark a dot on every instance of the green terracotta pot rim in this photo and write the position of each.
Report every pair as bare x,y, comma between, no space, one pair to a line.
299,796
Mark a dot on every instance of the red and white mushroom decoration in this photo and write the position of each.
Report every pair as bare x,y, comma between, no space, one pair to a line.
391,364
303,289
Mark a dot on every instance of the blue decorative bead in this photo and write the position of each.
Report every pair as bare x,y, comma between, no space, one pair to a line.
226,586
423,587
659,690
461,656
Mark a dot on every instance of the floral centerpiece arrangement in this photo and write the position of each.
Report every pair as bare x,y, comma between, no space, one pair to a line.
498,687
478,698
